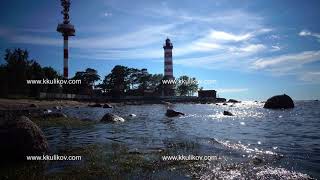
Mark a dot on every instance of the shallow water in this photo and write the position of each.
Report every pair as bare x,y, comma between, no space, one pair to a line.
255,143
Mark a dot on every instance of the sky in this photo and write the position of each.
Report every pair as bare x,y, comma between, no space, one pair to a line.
247,50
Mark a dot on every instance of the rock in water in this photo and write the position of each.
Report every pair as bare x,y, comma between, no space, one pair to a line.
132,115
233,101
21,137
109,117
107,106
33,106
54,115
227,113
57,107
173,113
279,102
95,105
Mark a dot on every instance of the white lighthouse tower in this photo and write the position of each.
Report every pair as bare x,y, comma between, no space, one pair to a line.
168,68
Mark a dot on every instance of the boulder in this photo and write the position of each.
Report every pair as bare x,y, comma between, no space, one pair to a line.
47,111
87,119
132,115
57,107
107,106
95,105
109,117
54,115
224,104
33,106
227,113
173,113
233,101
21,137
279,102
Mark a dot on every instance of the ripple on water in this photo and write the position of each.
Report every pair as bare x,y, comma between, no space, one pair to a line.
280,133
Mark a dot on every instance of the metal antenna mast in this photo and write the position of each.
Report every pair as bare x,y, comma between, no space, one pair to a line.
66,29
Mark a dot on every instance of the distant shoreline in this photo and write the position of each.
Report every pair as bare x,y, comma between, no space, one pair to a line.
13,104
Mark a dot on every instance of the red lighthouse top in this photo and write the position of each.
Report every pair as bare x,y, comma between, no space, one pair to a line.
168,44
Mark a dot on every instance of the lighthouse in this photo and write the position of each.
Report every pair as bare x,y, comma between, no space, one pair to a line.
66,29
168,89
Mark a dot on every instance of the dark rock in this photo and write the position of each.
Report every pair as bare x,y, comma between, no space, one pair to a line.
33,106
87,119
227,113
109,117
95,105
107,106
21,137
256,160
47,111
132,115
224,104
233,101
54,115
57,107
279,102
173,113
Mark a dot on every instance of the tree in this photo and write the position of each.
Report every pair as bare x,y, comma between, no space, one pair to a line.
35,72
186,86
3,81
144,79
88,79
118,81
155,80
17,64
50,73
91,76
18,69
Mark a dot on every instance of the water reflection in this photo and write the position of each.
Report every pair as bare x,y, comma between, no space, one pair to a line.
254,134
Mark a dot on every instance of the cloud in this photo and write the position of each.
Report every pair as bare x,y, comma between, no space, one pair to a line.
38,40
252,48
304,33
107,14
312,77
309,33
121,54
214,41
141,37
287,61
232,90
225,56
275,48
224,36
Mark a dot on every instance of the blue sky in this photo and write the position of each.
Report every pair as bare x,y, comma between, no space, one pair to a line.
252,49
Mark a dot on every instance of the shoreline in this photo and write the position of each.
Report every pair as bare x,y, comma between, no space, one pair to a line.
26,104
21,104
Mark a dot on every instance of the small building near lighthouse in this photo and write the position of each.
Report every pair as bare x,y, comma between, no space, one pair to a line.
168,89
